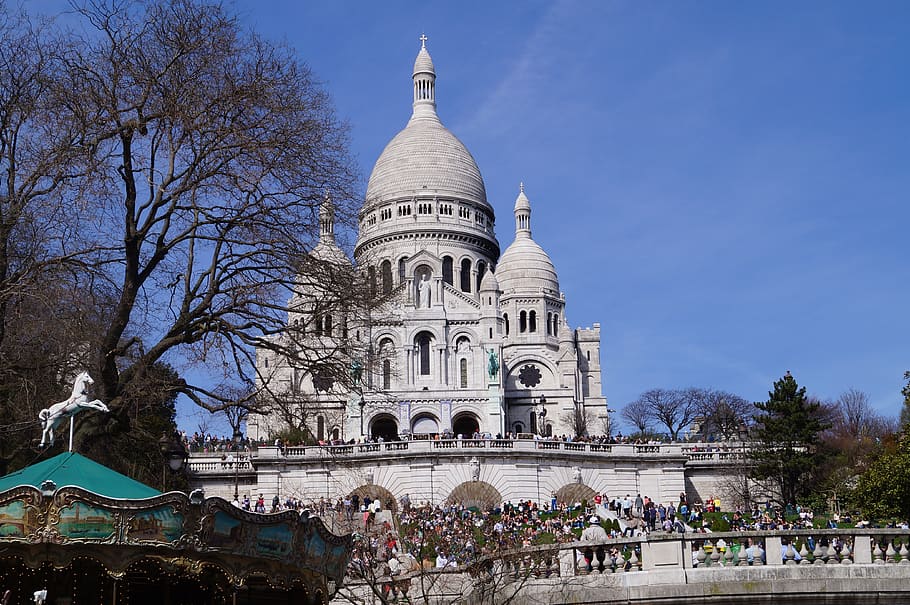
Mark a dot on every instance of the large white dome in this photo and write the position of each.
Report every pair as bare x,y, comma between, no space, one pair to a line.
425,158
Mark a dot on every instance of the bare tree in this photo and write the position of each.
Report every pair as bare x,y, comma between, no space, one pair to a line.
639,414
204,153
723,415
581,420
855,417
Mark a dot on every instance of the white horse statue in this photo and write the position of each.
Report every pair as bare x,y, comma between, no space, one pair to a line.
52,417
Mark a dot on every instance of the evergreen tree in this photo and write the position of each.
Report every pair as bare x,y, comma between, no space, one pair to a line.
787,431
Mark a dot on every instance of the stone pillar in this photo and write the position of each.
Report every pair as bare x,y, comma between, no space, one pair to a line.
862,549
566,562
774,552
442,365
408,375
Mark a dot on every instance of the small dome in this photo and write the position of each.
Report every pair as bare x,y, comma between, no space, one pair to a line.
525,268
522,202
329,252
489,282
423,64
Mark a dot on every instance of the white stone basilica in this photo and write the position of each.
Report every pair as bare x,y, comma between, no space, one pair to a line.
465,340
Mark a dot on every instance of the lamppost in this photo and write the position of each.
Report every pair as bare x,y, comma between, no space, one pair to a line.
238,438
541,415
174,453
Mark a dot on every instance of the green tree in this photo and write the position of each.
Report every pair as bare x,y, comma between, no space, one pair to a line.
787,432
883,491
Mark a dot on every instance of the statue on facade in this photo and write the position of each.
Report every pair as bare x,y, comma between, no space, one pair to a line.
475,469
53,416
424,288
493,364
356,372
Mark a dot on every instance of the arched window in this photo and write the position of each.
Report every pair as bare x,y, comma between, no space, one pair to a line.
386,374
523,322
320,428
466,275
371,278
463,367
448,270
533,422
555,324
423,345
505,319
481,269
532,321
327,325
385,270
519,427
549,323
318,326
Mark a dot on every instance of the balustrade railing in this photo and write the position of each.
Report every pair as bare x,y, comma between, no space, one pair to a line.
704,551
696,453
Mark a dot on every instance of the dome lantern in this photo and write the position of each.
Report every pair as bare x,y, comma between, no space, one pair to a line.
424,82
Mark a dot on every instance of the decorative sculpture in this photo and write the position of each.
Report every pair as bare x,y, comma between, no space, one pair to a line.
54,415
356,372
475,469
424,288
493,364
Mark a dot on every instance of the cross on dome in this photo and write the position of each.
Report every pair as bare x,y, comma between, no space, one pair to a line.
423,40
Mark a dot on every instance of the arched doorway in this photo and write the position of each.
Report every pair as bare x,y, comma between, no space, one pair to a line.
475,494
384,426
386,498
425,425
573,493
465,424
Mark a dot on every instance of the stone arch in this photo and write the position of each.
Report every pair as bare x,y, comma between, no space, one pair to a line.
385,426
575,492
423,343
465,423
476,494
424,424
386,498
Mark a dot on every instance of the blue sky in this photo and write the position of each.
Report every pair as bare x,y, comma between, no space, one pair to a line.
724,186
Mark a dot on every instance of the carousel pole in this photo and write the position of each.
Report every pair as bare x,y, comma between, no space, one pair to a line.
72,422
114,601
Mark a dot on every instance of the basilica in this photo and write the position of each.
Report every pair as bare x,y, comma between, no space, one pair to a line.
466,340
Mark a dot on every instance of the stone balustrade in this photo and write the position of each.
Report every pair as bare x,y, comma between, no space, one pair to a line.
677,569
691,452
715,550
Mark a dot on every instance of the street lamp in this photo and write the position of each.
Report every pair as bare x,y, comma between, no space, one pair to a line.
541,415
238,438
174,453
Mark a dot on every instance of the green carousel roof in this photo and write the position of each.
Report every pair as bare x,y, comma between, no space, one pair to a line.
71,469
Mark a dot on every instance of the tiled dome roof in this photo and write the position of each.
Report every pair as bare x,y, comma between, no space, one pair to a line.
524,268
426,158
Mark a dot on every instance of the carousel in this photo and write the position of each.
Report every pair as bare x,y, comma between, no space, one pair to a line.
74,532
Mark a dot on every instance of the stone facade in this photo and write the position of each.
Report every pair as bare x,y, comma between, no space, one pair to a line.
465,340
